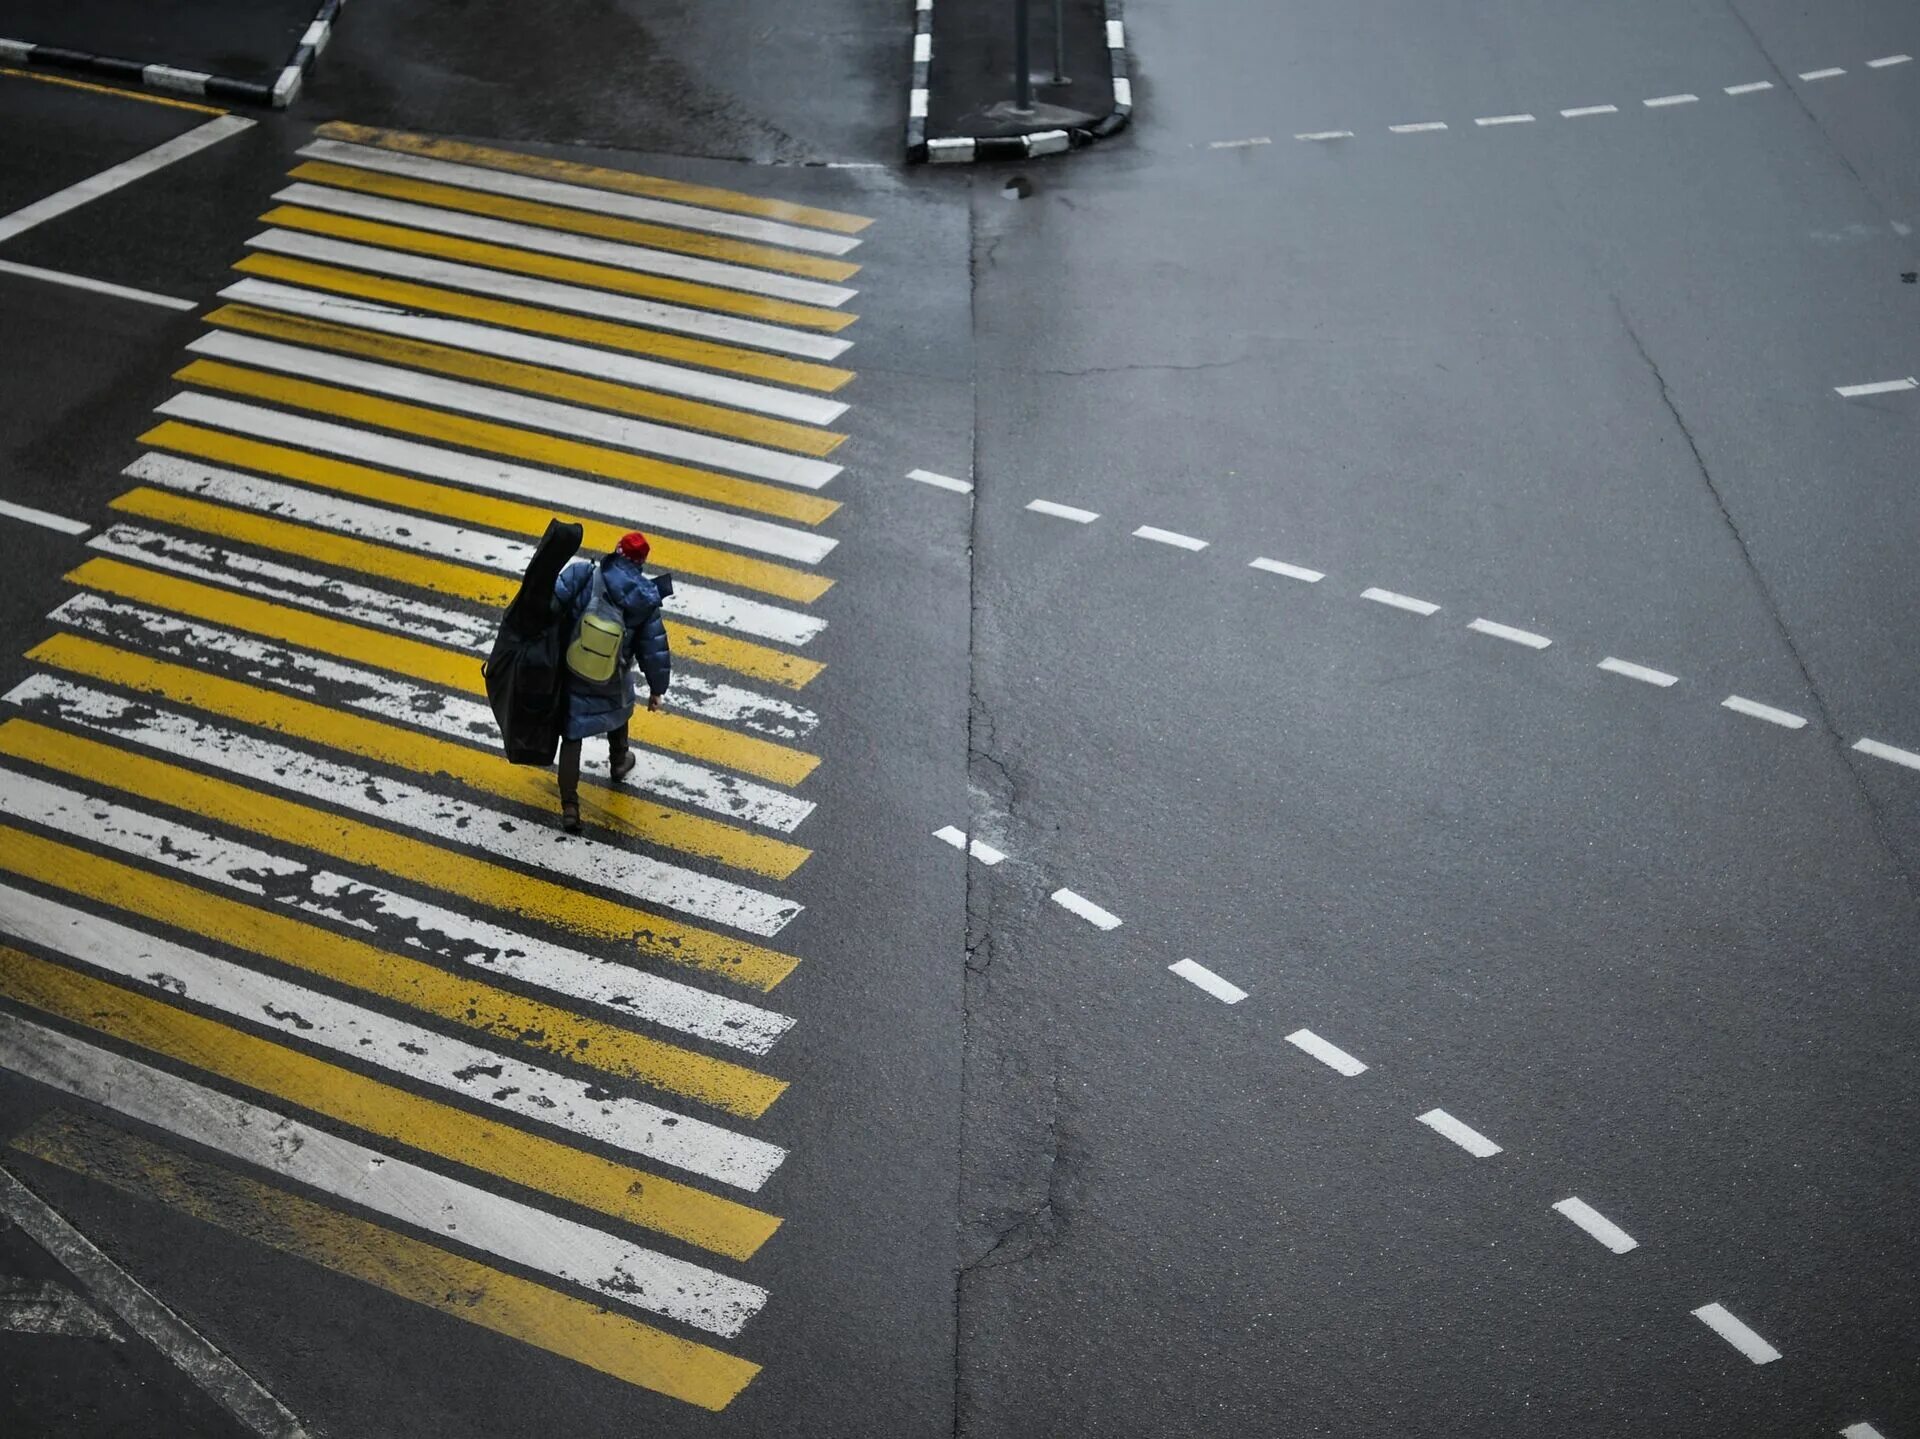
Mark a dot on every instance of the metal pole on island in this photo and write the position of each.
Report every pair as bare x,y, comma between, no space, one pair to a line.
1022,60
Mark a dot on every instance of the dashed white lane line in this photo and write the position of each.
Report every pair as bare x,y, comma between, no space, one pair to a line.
1400,602
1739,704
1507,632
1222,990
978,848
1580,112
43,518
1281,567
1062,512
1421,128
1169,537
1716,1318
1504,120
1642,673
1089,911
1331,1055
940,482
1753,88
1326,135
1826,74
1860,1431
1887,752
1661,101
1467,1137
1878,387
1881,64
1598,1225
1245,144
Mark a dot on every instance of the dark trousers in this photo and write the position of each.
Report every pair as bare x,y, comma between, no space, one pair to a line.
570,762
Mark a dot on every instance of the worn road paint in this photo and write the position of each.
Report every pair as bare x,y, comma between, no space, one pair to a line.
27,1307
1169,537
1638,672
1504,120
1507,632
1580,112
1878,387
1326,135
1660,101
1062,512
1827,74
1400,602
1292,572
1421,128
1092,913
978,848
1751,88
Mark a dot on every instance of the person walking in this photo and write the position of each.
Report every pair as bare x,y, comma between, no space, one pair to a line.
612,611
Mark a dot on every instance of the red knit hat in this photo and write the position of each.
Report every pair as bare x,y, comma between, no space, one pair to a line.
635,546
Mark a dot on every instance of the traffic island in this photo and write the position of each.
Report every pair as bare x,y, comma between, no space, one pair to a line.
969,103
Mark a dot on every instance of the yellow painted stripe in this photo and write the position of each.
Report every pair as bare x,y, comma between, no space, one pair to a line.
610,807
581,222
558,267
354,842
551,451
457,998
634,339
408,1268
506,516
535,379
574,173
515,1155
168,101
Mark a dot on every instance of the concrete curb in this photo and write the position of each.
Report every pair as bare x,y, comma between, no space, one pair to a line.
963,150
280,94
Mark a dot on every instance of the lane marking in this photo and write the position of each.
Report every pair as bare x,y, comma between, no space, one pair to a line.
1504,120
44,518
1330,1055
978,848
1878,387
1507,632
1783,718
940,482
1861,1431
98,287
1467,1137
1085,908
1597,1224
1062,512
1326,135
47,1308
1662,100
1421,128
1886,60
1400,602
225,1382
1826,74
119,91
1716,1318
1246,144
1638,672
1169,537
1752,88
125,173
1198,974
1580,112
1888,752
1292,572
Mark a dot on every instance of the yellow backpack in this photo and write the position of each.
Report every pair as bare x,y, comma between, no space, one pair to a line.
594,654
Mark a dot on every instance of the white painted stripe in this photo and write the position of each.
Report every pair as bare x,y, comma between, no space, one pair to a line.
20,52
1123,93
1326,135
565,492
488,1078
27,1307
168,77
287,87
1580,112
46,519
316,34
1754,87
1198,974
922,48
1116,35
1887,752
450,542
1861,1431
940,482
1886,60
1716,1318
1598,1225
1827,74
539,350
1660,101
1330,1055
98,287
1507,632
1504,120
580,197
1467,1137
978,848
1878,387
531,290
398,920
566,244
386,1185
1783,718
1400,602
499,834
1169,537
125,173
1048,142
1292,572
1240,144
1421,128
1062,512
219,1377
1085,908
1638,672
917,107
513,408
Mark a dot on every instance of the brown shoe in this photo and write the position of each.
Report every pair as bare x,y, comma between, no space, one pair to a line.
570,815
623,766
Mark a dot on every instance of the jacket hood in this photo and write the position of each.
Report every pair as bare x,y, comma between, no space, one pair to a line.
629,587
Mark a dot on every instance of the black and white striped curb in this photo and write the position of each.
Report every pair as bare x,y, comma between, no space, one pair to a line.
281,93
962,150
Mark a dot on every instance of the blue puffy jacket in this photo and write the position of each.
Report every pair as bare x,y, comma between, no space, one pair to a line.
595,709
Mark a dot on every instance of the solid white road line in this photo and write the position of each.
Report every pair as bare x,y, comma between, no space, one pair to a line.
539,350
1422,128
44,518
1887,752
1400,602
1507,632
978,848
1752,88
1638,672
1716,1318
125,173
550,294
1292,572
1829,73
27,1307
398,920
1326,135
1169,537
579,197
1504,120
940,482
98,287
482,472
498,1081
1878,387
1861,1431
513,408
219,1377
1330,1055
1662,100
1598,1225
1085,908
1886,60
1580,112
1062,512
1783,718
1198,974
1468,1138
386,1185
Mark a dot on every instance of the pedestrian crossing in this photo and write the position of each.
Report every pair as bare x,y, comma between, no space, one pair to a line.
301,955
